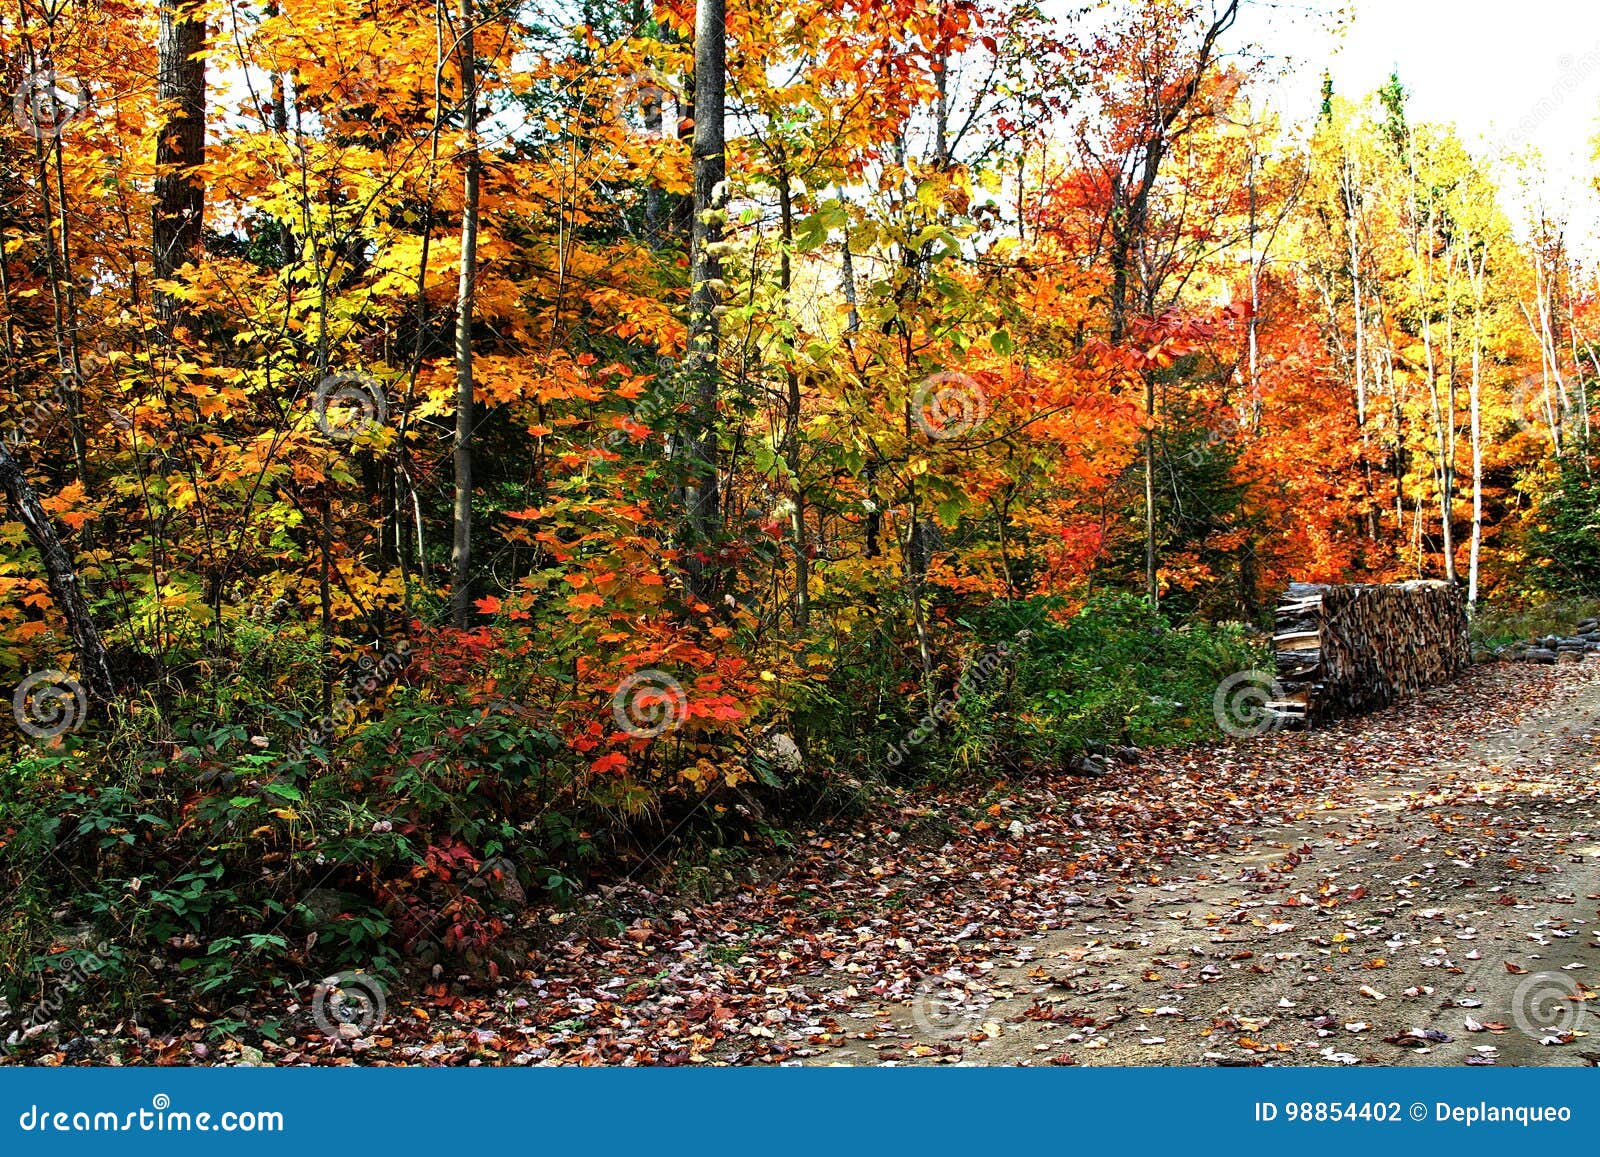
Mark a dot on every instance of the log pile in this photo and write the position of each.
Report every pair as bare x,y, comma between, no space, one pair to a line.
1345,650
1553,649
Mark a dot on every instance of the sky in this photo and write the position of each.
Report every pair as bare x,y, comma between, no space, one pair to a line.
1509,75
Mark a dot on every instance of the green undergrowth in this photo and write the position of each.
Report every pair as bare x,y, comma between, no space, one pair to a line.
186,859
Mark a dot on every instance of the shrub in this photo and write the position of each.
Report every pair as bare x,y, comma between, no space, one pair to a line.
1116,672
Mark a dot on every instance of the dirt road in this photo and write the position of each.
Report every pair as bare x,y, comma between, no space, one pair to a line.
1435,911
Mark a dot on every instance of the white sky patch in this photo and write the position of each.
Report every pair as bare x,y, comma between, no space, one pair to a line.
1509,76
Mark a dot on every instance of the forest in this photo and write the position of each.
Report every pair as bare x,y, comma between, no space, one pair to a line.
463,458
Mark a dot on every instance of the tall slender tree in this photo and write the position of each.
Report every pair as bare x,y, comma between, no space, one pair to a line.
1165,110
702,499
461,537
179,209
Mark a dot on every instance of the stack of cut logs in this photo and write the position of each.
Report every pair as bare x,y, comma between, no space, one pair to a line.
1552,649
1343,650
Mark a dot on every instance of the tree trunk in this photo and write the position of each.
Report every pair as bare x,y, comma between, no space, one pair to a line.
791,418
1475,407
1252,333
701,498
653,103
180,148
1451,406
93,664
1422,239
847,278
461,536
1151,563
1351,177
288,243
